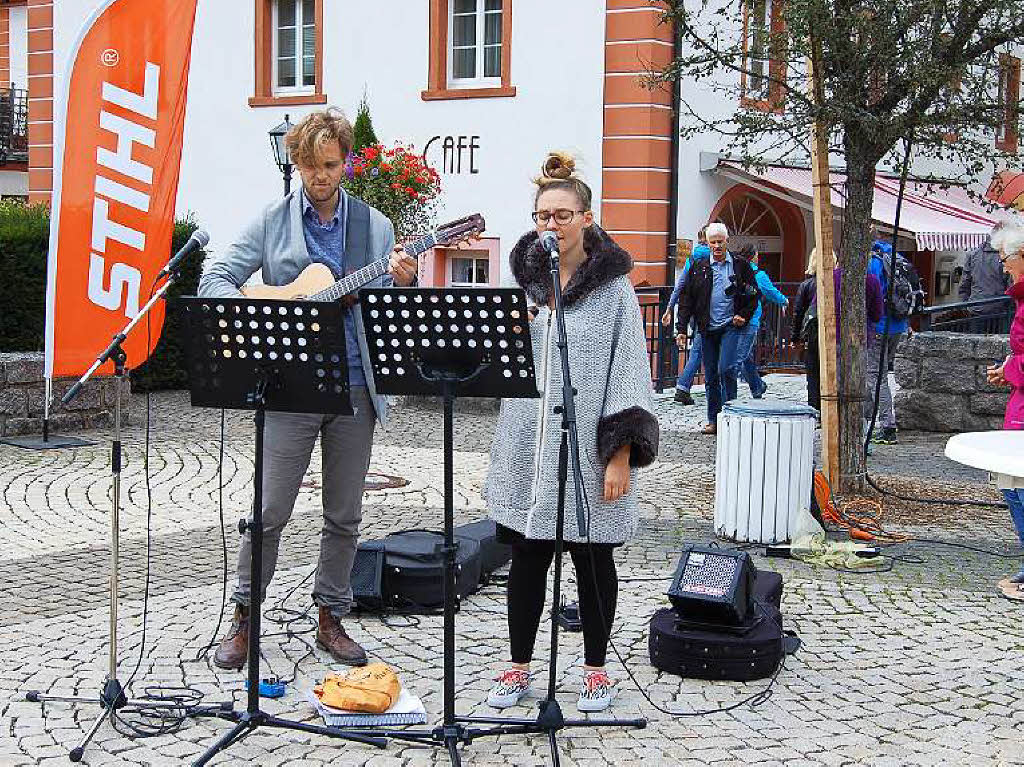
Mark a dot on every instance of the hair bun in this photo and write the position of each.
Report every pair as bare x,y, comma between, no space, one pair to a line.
558,166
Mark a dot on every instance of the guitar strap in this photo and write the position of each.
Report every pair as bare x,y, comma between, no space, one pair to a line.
357,235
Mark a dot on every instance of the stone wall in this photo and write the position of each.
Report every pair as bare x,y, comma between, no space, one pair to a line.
22,392
943,385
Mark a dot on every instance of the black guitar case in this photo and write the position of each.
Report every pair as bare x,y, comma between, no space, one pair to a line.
752,650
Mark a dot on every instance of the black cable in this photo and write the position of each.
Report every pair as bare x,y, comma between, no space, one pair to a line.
883,368
138,720
223,545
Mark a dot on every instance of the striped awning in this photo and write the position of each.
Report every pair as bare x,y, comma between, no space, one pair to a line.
939,219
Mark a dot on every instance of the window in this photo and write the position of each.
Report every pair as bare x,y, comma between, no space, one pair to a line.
763,55
1008,97
294,46
289,53
475,34
469,270
470,49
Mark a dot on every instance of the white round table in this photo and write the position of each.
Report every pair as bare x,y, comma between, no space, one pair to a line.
1001,453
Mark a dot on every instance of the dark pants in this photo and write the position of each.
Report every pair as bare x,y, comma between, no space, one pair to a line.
720,368
813,365
527,582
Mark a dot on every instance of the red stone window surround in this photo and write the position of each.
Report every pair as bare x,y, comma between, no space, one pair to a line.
1008,133
438,86
765,92
266,95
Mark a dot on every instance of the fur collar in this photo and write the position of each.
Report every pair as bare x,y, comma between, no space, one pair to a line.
605,261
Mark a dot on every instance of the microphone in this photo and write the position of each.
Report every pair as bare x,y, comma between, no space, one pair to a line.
549,240
199,240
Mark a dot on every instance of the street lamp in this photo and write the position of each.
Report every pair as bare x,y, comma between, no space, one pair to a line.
280,151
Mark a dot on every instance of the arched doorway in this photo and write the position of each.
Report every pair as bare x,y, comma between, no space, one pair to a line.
751,221
775,227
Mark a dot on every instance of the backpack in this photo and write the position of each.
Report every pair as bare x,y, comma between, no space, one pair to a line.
905,286
809,326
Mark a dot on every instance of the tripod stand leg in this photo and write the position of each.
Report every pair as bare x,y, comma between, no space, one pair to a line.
553,742
236,733
75,755
453,752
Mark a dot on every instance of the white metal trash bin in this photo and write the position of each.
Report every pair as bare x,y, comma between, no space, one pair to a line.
764,468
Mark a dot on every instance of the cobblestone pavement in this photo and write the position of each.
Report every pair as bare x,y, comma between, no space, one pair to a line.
919,665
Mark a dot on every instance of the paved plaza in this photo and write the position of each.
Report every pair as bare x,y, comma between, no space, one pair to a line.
917,666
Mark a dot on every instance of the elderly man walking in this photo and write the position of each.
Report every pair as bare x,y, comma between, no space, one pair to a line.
720,295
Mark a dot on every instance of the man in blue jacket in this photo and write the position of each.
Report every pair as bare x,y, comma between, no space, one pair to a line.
770,293
689,372
886,334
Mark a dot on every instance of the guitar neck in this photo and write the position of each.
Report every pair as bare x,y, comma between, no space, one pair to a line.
352,282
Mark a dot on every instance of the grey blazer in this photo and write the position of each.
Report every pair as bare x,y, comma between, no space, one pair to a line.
274,242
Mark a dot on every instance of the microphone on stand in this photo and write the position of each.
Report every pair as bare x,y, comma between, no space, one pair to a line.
199,240
549,240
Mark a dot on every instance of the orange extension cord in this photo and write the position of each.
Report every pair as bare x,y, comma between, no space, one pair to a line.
862,517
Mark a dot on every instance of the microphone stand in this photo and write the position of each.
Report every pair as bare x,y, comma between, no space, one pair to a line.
112,697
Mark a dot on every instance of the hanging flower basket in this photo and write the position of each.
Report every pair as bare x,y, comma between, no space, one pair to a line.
396,182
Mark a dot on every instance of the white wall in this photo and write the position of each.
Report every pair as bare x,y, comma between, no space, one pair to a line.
18,50
228,175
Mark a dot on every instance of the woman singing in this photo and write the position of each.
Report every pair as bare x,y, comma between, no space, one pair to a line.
617,430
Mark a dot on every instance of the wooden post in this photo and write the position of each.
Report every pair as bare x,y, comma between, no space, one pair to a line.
826,263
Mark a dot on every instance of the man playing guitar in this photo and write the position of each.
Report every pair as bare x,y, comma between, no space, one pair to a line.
318,224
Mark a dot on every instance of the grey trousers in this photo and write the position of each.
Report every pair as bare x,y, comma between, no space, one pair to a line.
886,414
345,442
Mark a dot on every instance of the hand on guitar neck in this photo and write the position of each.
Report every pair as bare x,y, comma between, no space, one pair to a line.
316,282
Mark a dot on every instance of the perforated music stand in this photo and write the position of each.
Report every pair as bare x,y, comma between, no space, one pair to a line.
282,356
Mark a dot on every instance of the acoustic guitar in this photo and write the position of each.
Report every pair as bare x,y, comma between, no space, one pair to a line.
316,282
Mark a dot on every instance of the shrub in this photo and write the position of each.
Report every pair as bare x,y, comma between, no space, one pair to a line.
362,132
24,243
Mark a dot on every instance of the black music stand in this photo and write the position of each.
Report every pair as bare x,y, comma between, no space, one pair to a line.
282,356
461,342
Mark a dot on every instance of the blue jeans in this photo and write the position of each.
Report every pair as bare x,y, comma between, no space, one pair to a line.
1015,500
746,341
685,379
720,366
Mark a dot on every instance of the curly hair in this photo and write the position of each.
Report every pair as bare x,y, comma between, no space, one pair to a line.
306,141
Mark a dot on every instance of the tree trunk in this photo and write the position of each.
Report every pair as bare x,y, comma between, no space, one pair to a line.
856,244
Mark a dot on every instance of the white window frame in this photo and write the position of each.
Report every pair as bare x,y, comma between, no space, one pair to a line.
474,255
300,23
481,25
764,92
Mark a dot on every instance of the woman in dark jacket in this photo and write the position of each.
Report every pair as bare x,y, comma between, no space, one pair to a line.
806,297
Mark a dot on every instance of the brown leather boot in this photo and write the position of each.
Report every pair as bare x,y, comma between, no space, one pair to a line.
331,636
234,647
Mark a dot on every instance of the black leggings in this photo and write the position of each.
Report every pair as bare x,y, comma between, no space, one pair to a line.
527,580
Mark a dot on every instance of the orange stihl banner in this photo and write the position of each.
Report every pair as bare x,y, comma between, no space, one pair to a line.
117,153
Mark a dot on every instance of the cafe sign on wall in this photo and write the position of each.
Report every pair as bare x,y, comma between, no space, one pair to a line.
452,155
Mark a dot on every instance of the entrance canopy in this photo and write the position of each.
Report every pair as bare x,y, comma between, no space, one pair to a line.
939,219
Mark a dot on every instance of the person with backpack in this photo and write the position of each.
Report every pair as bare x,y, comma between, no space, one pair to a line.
889,331
805,320
689,372
770,293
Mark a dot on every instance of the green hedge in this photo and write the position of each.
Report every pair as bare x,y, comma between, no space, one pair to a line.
24,242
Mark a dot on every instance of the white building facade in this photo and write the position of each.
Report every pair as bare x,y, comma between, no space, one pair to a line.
485,88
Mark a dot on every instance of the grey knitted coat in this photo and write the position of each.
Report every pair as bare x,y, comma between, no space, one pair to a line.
614,406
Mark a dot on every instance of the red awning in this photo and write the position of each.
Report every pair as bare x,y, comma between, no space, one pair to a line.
939,219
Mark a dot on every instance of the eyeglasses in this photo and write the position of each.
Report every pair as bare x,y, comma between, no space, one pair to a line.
1002,259
561,216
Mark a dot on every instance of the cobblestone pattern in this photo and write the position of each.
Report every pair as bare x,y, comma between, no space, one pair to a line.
919,665
944,388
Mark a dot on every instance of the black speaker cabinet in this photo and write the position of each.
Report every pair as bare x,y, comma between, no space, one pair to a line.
714,586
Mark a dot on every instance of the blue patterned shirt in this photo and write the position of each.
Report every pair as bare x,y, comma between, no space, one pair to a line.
325,242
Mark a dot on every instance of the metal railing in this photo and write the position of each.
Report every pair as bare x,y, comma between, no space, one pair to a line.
987,316
774,350
13,124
